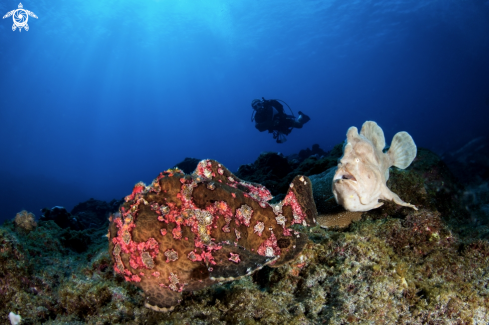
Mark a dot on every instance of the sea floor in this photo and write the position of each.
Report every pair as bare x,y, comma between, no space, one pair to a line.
393,266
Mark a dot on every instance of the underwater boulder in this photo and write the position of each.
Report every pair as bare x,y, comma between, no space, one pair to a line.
61,217
275,171
94,213
470,164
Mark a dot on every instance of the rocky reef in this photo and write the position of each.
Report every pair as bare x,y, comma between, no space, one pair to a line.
392,266
275,171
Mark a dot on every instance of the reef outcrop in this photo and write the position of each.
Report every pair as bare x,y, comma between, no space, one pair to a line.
275,171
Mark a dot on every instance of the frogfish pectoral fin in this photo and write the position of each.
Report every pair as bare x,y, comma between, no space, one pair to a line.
162,299
234,262
391,196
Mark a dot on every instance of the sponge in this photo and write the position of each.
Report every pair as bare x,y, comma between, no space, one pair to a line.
14,318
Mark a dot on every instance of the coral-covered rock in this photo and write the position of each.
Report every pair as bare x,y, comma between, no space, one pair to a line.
437,187
76,240
185,232
275,171
61,217
269,169
470,164
89,214
32,266
315,152
25,220
94,213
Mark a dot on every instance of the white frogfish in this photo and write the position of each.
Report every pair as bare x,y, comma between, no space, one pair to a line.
363,171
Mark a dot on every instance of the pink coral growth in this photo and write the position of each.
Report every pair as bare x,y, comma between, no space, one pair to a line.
259,227
141,254
204,168
299,215
234,258
138,188
194,257
259,193
243,215
269,247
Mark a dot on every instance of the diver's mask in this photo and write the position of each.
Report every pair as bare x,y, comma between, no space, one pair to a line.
257,104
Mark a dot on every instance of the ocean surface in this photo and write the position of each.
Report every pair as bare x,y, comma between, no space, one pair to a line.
98,95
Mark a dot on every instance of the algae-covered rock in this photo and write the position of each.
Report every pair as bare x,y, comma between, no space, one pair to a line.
275,171
470,163
270,169
61,217
94,213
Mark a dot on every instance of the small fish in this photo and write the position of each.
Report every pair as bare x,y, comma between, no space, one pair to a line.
363,171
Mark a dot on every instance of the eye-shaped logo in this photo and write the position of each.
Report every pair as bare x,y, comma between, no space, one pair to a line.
20,17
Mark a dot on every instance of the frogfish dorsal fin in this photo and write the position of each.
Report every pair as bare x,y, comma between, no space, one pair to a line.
402,151
351,134
374,133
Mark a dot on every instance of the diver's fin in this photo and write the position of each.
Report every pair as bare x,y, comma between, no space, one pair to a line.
374,133
402,151
387,194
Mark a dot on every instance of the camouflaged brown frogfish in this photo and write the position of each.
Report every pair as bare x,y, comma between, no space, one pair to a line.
187,232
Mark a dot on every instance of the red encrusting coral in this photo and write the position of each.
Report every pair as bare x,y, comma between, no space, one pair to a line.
299,215
269,247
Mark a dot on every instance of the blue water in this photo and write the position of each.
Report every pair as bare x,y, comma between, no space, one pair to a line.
99,95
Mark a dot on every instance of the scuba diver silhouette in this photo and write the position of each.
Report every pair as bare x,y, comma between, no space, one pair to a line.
269,115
